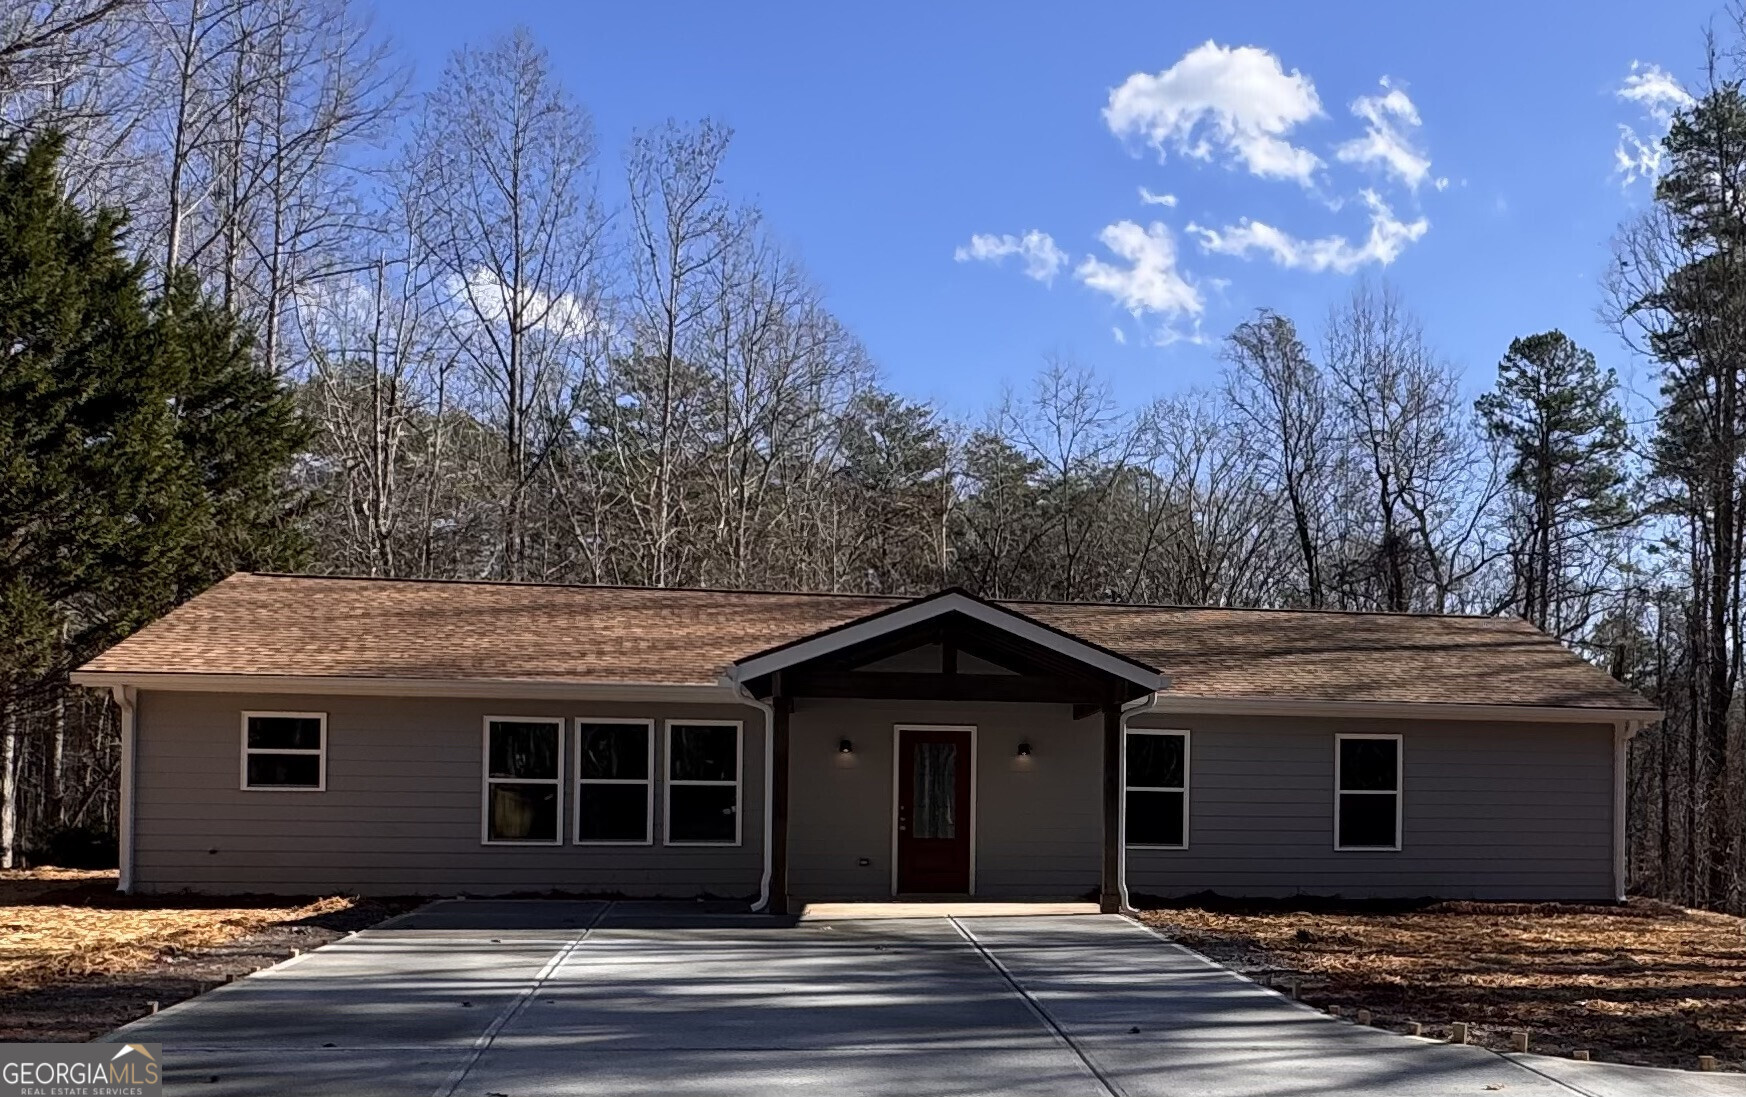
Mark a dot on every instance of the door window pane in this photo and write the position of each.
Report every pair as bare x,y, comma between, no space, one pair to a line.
936,791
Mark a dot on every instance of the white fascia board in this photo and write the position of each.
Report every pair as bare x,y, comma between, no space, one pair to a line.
1389,710
928,609
332,685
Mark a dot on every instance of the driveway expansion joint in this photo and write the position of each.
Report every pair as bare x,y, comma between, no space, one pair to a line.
1040,1012
515,1007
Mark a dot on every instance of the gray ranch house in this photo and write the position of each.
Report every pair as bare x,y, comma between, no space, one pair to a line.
301,734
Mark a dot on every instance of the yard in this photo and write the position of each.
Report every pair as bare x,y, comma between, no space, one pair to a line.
1645,983
77,959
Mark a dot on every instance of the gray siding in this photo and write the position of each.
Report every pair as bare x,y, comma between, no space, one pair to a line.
1492,811
1038,819
1495,811
401,813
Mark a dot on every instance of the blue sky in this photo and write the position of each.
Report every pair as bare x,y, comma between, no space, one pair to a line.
883,139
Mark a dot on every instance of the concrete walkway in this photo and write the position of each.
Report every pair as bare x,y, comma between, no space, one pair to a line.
543,998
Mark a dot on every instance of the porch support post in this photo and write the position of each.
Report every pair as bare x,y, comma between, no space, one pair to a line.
780,707
1110,891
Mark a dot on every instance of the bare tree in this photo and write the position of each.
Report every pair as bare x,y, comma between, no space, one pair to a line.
501,160
1277,389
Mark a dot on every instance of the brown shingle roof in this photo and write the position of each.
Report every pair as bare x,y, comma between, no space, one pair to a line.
385,628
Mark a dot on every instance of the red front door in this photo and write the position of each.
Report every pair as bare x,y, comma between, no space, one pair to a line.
933,811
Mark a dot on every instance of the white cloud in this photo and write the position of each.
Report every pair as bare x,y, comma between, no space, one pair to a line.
1042,259
1218,101
1388,237
1149,199
1390,121
485,298
1147,283
1657,95
1121,337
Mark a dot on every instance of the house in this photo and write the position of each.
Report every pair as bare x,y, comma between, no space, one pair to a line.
305,734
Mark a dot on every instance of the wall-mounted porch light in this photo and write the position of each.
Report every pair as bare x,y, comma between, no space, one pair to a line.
1024,750
844,746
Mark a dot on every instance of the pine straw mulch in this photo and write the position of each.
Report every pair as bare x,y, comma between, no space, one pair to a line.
77,959
1647,982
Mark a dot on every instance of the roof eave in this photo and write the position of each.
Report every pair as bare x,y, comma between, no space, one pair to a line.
1416,710
360,686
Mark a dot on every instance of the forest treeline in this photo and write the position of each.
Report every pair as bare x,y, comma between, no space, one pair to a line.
478,344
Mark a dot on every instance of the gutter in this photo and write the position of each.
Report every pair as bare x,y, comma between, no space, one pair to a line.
127,699
319,685
1623,732
1137,707
744,695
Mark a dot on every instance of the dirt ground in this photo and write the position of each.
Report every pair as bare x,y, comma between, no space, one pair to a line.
1645,983
77,959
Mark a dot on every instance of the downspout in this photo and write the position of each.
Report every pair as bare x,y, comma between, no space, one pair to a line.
126,698
1136,707
1623,732
769,711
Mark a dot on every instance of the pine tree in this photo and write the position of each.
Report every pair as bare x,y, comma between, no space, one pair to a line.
1556,415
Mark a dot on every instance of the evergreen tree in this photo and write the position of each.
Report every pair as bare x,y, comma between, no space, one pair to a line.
142,455
1556,415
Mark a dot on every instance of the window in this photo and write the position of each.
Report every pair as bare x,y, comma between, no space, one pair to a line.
284,751
615,767
703,783
1156,813
1367,771
524,758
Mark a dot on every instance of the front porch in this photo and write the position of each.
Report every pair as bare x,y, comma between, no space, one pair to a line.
947,749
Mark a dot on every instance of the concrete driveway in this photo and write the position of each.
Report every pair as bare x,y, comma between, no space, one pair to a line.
519,999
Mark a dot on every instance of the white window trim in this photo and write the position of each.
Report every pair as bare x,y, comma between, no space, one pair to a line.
738,783
1399,792
486,781
320,753
1187,753
648,838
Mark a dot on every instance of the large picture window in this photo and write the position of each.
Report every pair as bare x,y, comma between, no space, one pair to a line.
615,769
524,763
284,751
1156,812
1367,784
703,783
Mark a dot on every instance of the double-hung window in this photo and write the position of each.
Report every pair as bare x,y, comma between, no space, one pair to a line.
1367,792
284,751
1156,810
703,783
615,769
524,764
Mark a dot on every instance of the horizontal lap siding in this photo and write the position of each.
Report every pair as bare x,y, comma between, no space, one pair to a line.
1491,811
402,807
1038,819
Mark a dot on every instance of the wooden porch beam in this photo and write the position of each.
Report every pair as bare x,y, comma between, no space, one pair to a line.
780,707
1109,899
890,685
